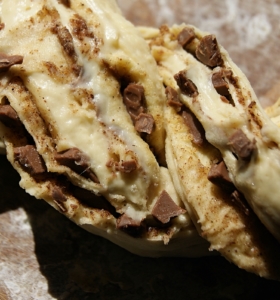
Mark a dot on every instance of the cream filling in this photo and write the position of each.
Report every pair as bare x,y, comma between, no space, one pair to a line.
97,132
257,179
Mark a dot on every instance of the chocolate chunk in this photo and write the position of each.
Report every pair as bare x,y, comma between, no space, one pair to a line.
219,176
129,225
58,194
7,61
8,116
219,83
59,197
208,51
186,36
2,26
124,221
165,208
186,85
134,98
144,123
77,161
194,126
30,160
128,166
241,145
239,200
172,97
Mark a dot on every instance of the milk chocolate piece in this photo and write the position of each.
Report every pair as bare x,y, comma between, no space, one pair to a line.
124,221
241,145
77,161
219,83
186,36
144,123
172,97
208,51
8,116
129,225
186,85
7,61
30,160
133,98
58,194
219,176
128,166
165,208
194,126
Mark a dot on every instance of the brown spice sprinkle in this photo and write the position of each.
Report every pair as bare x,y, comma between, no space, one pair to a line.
7,61
66,40
186,36
165,208
208,51
30,160
77,161
80,28
173,98
241,145
186,85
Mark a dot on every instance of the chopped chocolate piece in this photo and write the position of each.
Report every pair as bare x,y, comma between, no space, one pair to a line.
241,145
208,51
30,160
78,161
165,208
186,85
128,166
186,36
129,225
144,123
194,126
58,194
219,83
219,176
124,221
172,97
2,26
7,61
90,199
134,98
8,116
238,199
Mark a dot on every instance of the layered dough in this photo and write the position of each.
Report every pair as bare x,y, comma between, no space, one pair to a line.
209,178
81,111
